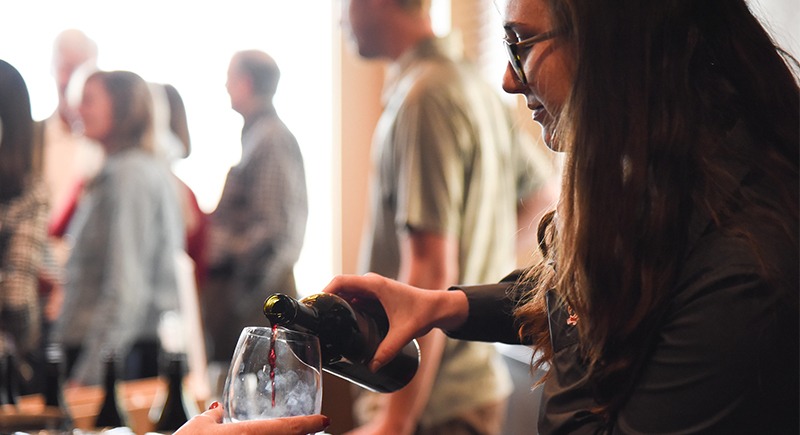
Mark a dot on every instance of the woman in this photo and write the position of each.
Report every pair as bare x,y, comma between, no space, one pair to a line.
667,300
23,214
126,231
173,143
121,273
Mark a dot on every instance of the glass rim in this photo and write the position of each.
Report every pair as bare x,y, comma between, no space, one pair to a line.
288,334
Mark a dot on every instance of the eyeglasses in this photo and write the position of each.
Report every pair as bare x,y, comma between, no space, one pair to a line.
512,48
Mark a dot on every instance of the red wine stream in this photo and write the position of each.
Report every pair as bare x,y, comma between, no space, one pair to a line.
272,359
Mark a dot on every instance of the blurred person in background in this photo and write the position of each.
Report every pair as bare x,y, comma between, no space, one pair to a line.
172,144
120,276
70,158
23,220
256,232
450,174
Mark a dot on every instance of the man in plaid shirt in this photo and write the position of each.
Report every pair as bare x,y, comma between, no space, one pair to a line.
256,232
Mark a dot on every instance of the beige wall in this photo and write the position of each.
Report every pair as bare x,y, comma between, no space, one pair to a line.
357,85
358,108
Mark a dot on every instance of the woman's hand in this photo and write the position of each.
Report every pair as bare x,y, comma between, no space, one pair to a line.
210,422
412,312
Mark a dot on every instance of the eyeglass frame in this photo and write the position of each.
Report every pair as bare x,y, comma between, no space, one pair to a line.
512,49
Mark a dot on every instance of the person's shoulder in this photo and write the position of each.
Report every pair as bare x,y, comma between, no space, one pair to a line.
429,85
434,73
273,135
135,167
762,254
33,199
447,81
128,160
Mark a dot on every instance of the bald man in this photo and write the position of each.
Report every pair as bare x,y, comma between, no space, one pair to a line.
256,232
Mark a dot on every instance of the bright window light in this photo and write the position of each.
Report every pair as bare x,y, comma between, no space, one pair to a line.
188,44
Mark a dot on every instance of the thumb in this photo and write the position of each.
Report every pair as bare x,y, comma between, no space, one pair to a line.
387,350
215,412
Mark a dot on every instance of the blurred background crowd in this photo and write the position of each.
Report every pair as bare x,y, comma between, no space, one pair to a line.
131,145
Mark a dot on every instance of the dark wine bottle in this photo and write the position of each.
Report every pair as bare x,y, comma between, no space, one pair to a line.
9,386
348,336
111,414
175,411
54,387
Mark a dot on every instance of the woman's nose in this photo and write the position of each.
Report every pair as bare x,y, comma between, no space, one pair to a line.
511,83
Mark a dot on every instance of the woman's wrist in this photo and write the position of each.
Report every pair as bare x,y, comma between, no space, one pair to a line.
455,306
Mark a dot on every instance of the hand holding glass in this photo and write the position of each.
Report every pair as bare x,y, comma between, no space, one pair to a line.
274,373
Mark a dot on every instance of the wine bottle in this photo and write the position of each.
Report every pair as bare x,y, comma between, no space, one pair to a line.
54,387
111,415
176,409
9,387
348,336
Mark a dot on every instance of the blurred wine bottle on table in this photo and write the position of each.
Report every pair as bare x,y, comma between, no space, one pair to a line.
9,383
348,336
178,406
54,388
112,414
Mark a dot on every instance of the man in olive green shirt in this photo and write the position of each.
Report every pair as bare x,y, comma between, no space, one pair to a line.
444,209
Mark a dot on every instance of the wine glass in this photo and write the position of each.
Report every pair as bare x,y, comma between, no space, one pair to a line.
275,372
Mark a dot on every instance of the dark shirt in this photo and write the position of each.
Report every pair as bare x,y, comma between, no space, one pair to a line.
724,357
256,233
257,230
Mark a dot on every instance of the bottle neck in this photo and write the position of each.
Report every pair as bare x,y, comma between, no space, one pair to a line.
283,310
175,372
9,374
111,374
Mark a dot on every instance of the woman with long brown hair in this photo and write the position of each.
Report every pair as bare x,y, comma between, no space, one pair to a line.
23,214
667,297
126,230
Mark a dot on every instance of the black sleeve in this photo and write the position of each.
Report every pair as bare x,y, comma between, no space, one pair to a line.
491,308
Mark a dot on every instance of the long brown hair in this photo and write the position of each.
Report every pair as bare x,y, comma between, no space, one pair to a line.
16,143
132,107
658,86
178,122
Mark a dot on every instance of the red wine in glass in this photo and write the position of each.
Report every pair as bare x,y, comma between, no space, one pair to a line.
272,358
